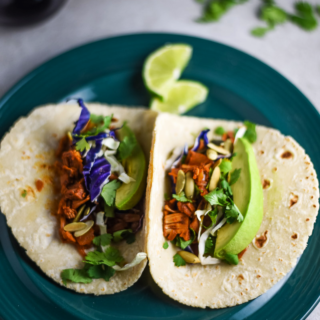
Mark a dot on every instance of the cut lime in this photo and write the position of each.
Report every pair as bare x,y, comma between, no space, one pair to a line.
164,66
181,97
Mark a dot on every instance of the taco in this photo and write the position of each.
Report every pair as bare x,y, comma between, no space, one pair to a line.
241,201
72,188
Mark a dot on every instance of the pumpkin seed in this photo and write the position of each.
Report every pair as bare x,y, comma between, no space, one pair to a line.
188,257
89,225
211,154
217,163
181,181
218,149
228,145
189,188
74,226
86,212
214,180
78,216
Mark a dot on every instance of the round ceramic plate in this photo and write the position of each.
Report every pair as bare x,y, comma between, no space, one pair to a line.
109,71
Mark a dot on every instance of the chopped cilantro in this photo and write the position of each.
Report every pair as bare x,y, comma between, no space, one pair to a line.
235,176
125,234
226,187
24,193
165,245
232,212
250,133
225,166
197,191
108,211
102,123
108,192
181,197
305,18
231,258
82,145
178,260
219,131
213,216
181,243
318,9
76,275
103,240
215,9
217,197
210,246
260,31
110,257
126,147
101,271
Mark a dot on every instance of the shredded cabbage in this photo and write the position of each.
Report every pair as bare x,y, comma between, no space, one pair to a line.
83,118
111,143
200,213
202,135
240,133
103,227
202,242
138,258
117,167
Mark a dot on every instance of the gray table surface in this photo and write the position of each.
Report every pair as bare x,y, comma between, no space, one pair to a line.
294,53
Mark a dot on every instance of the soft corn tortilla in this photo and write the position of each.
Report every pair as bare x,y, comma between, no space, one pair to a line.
290,210
27,154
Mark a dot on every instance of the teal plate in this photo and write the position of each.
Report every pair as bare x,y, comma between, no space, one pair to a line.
241,87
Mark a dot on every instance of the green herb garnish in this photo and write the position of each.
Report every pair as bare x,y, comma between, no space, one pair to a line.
82,145
181,197
234,176
109,190
181,243
24,193
102,240
165,245
219,131
178,260
231,258
125,234
225,166
250,134
210,246
126,147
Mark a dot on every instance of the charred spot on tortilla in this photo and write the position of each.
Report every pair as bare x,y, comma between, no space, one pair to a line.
262,241
287,155
266,184
294,236
293,199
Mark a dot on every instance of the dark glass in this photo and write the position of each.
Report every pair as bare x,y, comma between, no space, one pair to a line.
24,12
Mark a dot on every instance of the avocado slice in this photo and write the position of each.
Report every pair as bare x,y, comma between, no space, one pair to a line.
128,195
248,197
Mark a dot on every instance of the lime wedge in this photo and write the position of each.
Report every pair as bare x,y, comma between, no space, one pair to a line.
181,97
164,66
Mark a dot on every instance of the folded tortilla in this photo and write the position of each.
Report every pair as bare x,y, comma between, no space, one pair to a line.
27,154
291,196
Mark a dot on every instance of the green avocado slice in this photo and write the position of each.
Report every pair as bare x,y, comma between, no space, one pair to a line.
128,195
248,197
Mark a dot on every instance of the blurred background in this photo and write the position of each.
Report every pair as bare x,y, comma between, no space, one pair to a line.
29,38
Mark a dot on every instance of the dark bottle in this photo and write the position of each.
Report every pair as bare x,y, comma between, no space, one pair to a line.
24,12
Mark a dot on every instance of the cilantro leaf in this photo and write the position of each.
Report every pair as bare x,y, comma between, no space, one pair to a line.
24,193
250,133
125,234
103,240
215,9
165,245
110,257
231,258
181,243
75,275
217,197
219,131
178,260
108,211
181,197
226,187
234,176
108,192
82,145
305,18
102,123
225,166
260,31
213,216
210,245
127,146
273,15
232,213
101,271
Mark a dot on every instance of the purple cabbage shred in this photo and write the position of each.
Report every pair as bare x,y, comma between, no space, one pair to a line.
83,119
202,135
